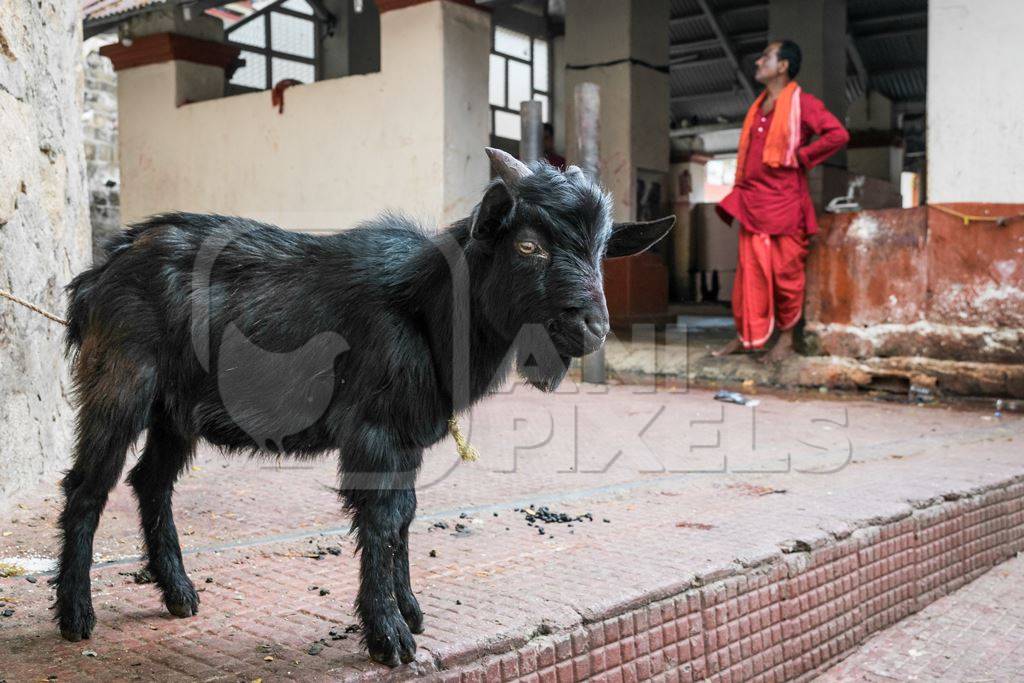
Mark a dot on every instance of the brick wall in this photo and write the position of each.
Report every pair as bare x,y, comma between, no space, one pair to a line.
784,620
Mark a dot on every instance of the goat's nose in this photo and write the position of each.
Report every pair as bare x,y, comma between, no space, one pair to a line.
597,324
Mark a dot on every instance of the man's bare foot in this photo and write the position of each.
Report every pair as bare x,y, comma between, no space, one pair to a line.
730,348
782,350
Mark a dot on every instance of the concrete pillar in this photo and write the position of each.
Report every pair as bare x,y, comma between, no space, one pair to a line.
974,137
354,47
190,49
622,46
686,189
819,28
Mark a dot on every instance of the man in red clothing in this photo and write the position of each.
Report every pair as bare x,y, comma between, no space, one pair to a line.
772,204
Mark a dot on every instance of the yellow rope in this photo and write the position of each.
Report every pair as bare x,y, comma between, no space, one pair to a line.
466,450
32,307
1001,221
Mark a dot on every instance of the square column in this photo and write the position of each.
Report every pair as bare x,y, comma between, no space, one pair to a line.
819,28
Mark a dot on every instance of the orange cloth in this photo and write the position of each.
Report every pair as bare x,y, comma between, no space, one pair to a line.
783,137
769,288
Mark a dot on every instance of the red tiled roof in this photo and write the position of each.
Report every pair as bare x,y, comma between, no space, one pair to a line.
98,9
229,12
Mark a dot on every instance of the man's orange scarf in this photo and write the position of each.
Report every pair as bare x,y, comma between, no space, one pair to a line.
783,135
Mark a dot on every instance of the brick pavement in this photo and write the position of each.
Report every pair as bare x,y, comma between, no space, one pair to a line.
974,634
739,542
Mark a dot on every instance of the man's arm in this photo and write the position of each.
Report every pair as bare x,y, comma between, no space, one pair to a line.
832,136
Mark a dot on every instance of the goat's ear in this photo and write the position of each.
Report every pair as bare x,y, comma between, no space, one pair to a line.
632,238
492,210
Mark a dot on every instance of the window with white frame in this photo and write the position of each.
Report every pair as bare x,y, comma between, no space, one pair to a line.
279,41
519,71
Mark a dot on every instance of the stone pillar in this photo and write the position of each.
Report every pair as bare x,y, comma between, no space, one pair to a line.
44,232
819,28
974,135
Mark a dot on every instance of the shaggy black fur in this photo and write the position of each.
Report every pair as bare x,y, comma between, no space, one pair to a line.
363,342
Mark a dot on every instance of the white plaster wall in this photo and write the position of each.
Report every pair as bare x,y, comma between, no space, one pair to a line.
975,99
467,117
410,137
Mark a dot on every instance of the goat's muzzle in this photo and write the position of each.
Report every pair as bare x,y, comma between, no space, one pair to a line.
579,331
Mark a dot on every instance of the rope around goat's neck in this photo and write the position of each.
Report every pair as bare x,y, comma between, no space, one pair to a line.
465,449
462,445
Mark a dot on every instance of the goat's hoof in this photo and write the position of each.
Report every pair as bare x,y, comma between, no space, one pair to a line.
392,644
182,601
77,626
72,635
182,609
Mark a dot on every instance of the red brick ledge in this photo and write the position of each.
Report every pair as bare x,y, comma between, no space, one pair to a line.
788,617
164,47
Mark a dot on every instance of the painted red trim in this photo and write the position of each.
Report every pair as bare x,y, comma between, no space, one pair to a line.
388,5
165,47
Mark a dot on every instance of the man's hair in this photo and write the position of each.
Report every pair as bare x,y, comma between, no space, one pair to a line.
790,51
548,128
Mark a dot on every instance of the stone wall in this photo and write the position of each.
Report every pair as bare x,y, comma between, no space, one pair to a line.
99,127
44,230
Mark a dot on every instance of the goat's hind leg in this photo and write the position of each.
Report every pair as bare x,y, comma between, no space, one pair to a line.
166,453
113,411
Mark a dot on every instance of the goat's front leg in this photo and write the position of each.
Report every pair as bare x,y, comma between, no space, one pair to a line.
407,603
377,520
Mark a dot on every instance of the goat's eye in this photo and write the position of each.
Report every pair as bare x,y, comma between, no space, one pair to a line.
527,248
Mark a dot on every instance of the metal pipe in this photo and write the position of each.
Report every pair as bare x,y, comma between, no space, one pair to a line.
588,137
531,140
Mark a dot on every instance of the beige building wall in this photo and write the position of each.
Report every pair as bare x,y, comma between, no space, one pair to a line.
408,138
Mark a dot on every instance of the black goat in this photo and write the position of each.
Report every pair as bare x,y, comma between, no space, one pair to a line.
365,342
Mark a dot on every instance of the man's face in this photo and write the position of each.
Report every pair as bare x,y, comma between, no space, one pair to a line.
768,65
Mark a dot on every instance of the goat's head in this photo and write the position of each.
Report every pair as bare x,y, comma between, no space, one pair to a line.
547,233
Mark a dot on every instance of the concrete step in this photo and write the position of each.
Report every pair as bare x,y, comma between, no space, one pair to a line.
740,543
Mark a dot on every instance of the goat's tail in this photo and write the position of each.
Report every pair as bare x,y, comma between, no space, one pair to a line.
82,291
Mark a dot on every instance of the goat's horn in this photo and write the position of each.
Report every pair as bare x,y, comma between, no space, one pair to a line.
573,169
508,168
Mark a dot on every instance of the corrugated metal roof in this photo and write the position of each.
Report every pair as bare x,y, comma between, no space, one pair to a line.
890,36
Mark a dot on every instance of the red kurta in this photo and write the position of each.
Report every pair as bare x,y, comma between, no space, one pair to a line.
773,207
776,201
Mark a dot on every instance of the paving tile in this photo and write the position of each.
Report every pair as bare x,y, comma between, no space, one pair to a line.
756,572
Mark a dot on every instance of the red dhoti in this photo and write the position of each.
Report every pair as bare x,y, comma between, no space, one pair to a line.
769,287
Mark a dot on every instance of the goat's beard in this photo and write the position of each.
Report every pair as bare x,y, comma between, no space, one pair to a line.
537,359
